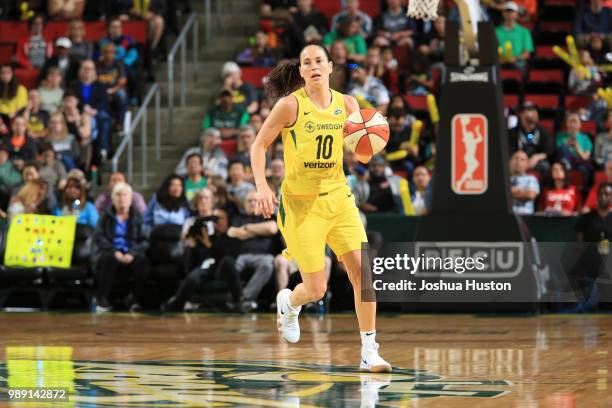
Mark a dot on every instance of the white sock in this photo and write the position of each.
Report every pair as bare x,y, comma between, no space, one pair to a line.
368,337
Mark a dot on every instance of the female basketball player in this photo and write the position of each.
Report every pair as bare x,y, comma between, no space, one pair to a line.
316,204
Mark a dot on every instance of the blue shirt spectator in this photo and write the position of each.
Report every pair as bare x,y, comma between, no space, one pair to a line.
594,19
168,205
126,51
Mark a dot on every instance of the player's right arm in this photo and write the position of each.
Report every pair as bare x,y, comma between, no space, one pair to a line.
283,114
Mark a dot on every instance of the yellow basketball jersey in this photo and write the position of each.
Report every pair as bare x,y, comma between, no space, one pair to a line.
313,147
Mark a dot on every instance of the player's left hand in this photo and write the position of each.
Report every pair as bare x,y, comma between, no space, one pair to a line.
266,200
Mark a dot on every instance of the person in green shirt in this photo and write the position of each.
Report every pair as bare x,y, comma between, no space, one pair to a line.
194,181
574,148
515,34
349,33
226,116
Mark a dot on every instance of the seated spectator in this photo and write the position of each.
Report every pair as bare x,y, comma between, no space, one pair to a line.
259,54
120,243
529,136
598,49
256,121
104,200
559,197
254,236
65,9
81,49
51,170
351,11
153,12
518,36
369,90
431,44
276,176
51,91
194,180
67,64
206,242
379,192
267,6
395,27
30,199
524,187
37,118
590,203
94,100
226,116
125,51
374,63
421,179
13,96
309,22
64,143
400,138
574,148
111,74
74,202
20,146
80,124
31,172
603,144
418,80
238,187
34,49
168,205
244,95
9,178
245,140
398,102
213,157
348,33
5,125
338,79
581,83
218,186
592,17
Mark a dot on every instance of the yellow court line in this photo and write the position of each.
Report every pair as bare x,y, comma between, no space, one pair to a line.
311,391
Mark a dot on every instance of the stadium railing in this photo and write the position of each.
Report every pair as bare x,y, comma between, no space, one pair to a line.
127,142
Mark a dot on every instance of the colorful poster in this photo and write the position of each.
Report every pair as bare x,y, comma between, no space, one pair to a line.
40,240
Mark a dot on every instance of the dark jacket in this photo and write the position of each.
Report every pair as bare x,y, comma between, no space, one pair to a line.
98,98
105,232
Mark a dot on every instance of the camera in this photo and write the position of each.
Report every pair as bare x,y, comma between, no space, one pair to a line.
200,223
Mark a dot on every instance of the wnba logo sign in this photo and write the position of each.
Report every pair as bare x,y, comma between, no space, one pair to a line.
469,161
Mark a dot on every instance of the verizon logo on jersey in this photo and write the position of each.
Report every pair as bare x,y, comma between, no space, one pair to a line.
469,159
319,165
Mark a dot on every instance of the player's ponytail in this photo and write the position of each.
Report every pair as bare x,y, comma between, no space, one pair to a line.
284,79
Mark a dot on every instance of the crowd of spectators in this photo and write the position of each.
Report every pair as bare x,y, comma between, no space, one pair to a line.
382,59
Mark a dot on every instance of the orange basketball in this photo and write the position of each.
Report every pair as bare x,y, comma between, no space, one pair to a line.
366,132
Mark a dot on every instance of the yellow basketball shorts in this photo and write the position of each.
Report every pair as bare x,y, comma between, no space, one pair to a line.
307,225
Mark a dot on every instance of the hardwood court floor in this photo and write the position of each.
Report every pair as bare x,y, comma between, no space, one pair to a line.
190,360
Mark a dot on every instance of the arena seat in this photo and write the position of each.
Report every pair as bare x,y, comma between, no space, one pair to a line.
27,77
94,30
331,7
545,81
575,102
549,125
511,101
255,75
401,55
229,146
600,177
7,52
166,252
574,177
77,279
10,31
544,101
556,26
416,102
545,52
590,127
512,81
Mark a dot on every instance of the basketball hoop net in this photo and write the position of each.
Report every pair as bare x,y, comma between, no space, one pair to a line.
423,9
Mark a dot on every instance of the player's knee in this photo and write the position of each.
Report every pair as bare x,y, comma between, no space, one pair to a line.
317,291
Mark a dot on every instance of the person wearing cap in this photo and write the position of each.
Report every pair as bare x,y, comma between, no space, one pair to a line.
67,64
529,136
366,87
518,36
381,192
244,95
214,159
225,116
